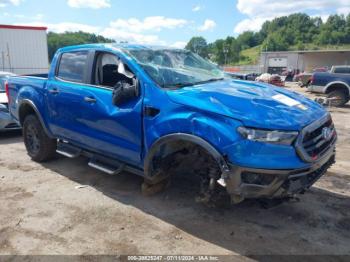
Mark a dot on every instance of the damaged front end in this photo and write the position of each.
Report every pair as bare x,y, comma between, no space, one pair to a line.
246,183
315,145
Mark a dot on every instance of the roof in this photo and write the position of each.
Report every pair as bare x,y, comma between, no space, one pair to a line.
22,27
307,51
122,46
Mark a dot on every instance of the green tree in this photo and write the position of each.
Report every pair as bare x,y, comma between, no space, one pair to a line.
56,41
198,45
283,33
247,39
275,42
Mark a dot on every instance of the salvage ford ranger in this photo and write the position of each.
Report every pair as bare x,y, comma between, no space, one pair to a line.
158,111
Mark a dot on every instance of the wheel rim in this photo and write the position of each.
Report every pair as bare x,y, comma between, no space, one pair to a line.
32,139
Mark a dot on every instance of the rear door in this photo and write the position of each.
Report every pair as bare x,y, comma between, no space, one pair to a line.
84,112
64,95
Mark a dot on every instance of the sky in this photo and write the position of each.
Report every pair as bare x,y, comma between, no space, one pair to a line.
156,22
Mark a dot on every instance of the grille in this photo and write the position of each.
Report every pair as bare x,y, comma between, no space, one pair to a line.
317,139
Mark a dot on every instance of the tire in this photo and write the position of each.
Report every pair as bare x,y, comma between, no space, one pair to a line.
39,146
339,96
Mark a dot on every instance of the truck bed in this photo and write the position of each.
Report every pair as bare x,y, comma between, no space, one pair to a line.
31,85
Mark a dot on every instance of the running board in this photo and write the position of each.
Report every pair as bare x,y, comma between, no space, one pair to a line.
105,167
68,150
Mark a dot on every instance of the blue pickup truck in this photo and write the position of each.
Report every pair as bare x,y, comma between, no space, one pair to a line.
335,84
158,112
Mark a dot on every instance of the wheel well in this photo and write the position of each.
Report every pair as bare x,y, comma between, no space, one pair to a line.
180,155
24,111
340,87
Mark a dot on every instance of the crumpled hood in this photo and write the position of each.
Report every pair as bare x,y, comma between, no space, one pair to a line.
255,104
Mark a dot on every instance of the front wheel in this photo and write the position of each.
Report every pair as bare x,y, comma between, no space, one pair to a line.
39,146
338,98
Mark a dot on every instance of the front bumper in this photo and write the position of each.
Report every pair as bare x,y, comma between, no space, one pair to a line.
246,183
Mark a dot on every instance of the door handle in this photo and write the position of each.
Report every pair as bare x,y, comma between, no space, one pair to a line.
54,91
89,99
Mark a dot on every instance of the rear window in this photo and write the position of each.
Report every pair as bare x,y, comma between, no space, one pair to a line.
72,66
342,70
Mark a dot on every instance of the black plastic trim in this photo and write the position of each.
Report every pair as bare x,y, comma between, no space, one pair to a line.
299,143
33,106
183,137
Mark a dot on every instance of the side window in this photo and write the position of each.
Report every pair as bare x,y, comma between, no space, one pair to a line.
72,66
342,70
107,71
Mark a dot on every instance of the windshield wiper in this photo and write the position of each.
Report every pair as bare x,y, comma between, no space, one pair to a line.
180,85
209,81
177,85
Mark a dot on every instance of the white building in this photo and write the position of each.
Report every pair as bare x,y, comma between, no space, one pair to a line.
276,62
23,49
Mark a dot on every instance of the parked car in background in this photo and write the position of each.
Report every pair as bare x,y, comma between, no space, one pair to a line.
304,78
242,76
343,69
6,121
3,77
289,74
335,83
158,112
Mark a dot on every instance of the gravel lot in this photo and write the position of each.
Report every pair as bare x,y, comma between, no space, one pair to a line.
65,207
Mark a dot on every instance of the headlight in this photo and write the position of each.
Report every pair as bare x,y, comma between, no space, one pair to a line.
268,136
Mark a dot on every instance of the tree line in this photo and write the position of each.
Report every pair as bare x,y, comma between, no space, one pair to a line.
56,41
295,31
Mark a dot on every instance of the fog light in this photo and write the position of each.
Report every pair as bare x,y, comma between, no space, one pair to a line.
257,179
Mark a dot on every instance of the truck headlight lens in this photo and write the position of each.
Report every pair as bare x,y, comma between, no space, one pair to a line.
268,136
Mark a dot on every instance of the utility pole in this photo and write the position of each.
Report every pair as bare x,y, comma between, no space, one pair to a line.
9,57
225,49
3,60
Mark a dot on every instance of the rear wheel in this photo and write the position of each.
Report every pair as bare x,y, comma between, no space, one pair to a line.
338,98
39,146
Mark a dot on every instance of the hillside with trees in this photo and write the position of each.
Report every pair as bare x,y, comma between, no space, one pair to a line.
293,32
56,41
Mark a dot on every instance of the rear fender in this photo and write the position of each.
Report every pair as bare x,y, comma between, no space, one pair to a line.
29,98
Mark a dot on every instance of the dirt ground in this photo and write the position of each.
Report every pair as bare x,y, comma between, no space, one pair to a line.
65,207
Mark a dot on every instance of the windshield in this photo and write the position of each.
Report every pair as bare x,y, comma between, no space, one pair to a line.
171,68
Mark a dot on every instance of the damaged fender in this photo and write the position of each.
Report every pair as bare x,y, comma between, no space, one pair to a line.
148,169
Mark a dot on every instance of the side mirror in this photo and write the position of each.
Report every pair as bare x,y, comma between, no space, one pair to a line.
124,92
123,71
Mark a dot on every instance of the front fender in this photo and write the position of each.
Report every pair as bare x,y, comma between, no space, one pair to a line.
211,131
183,137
